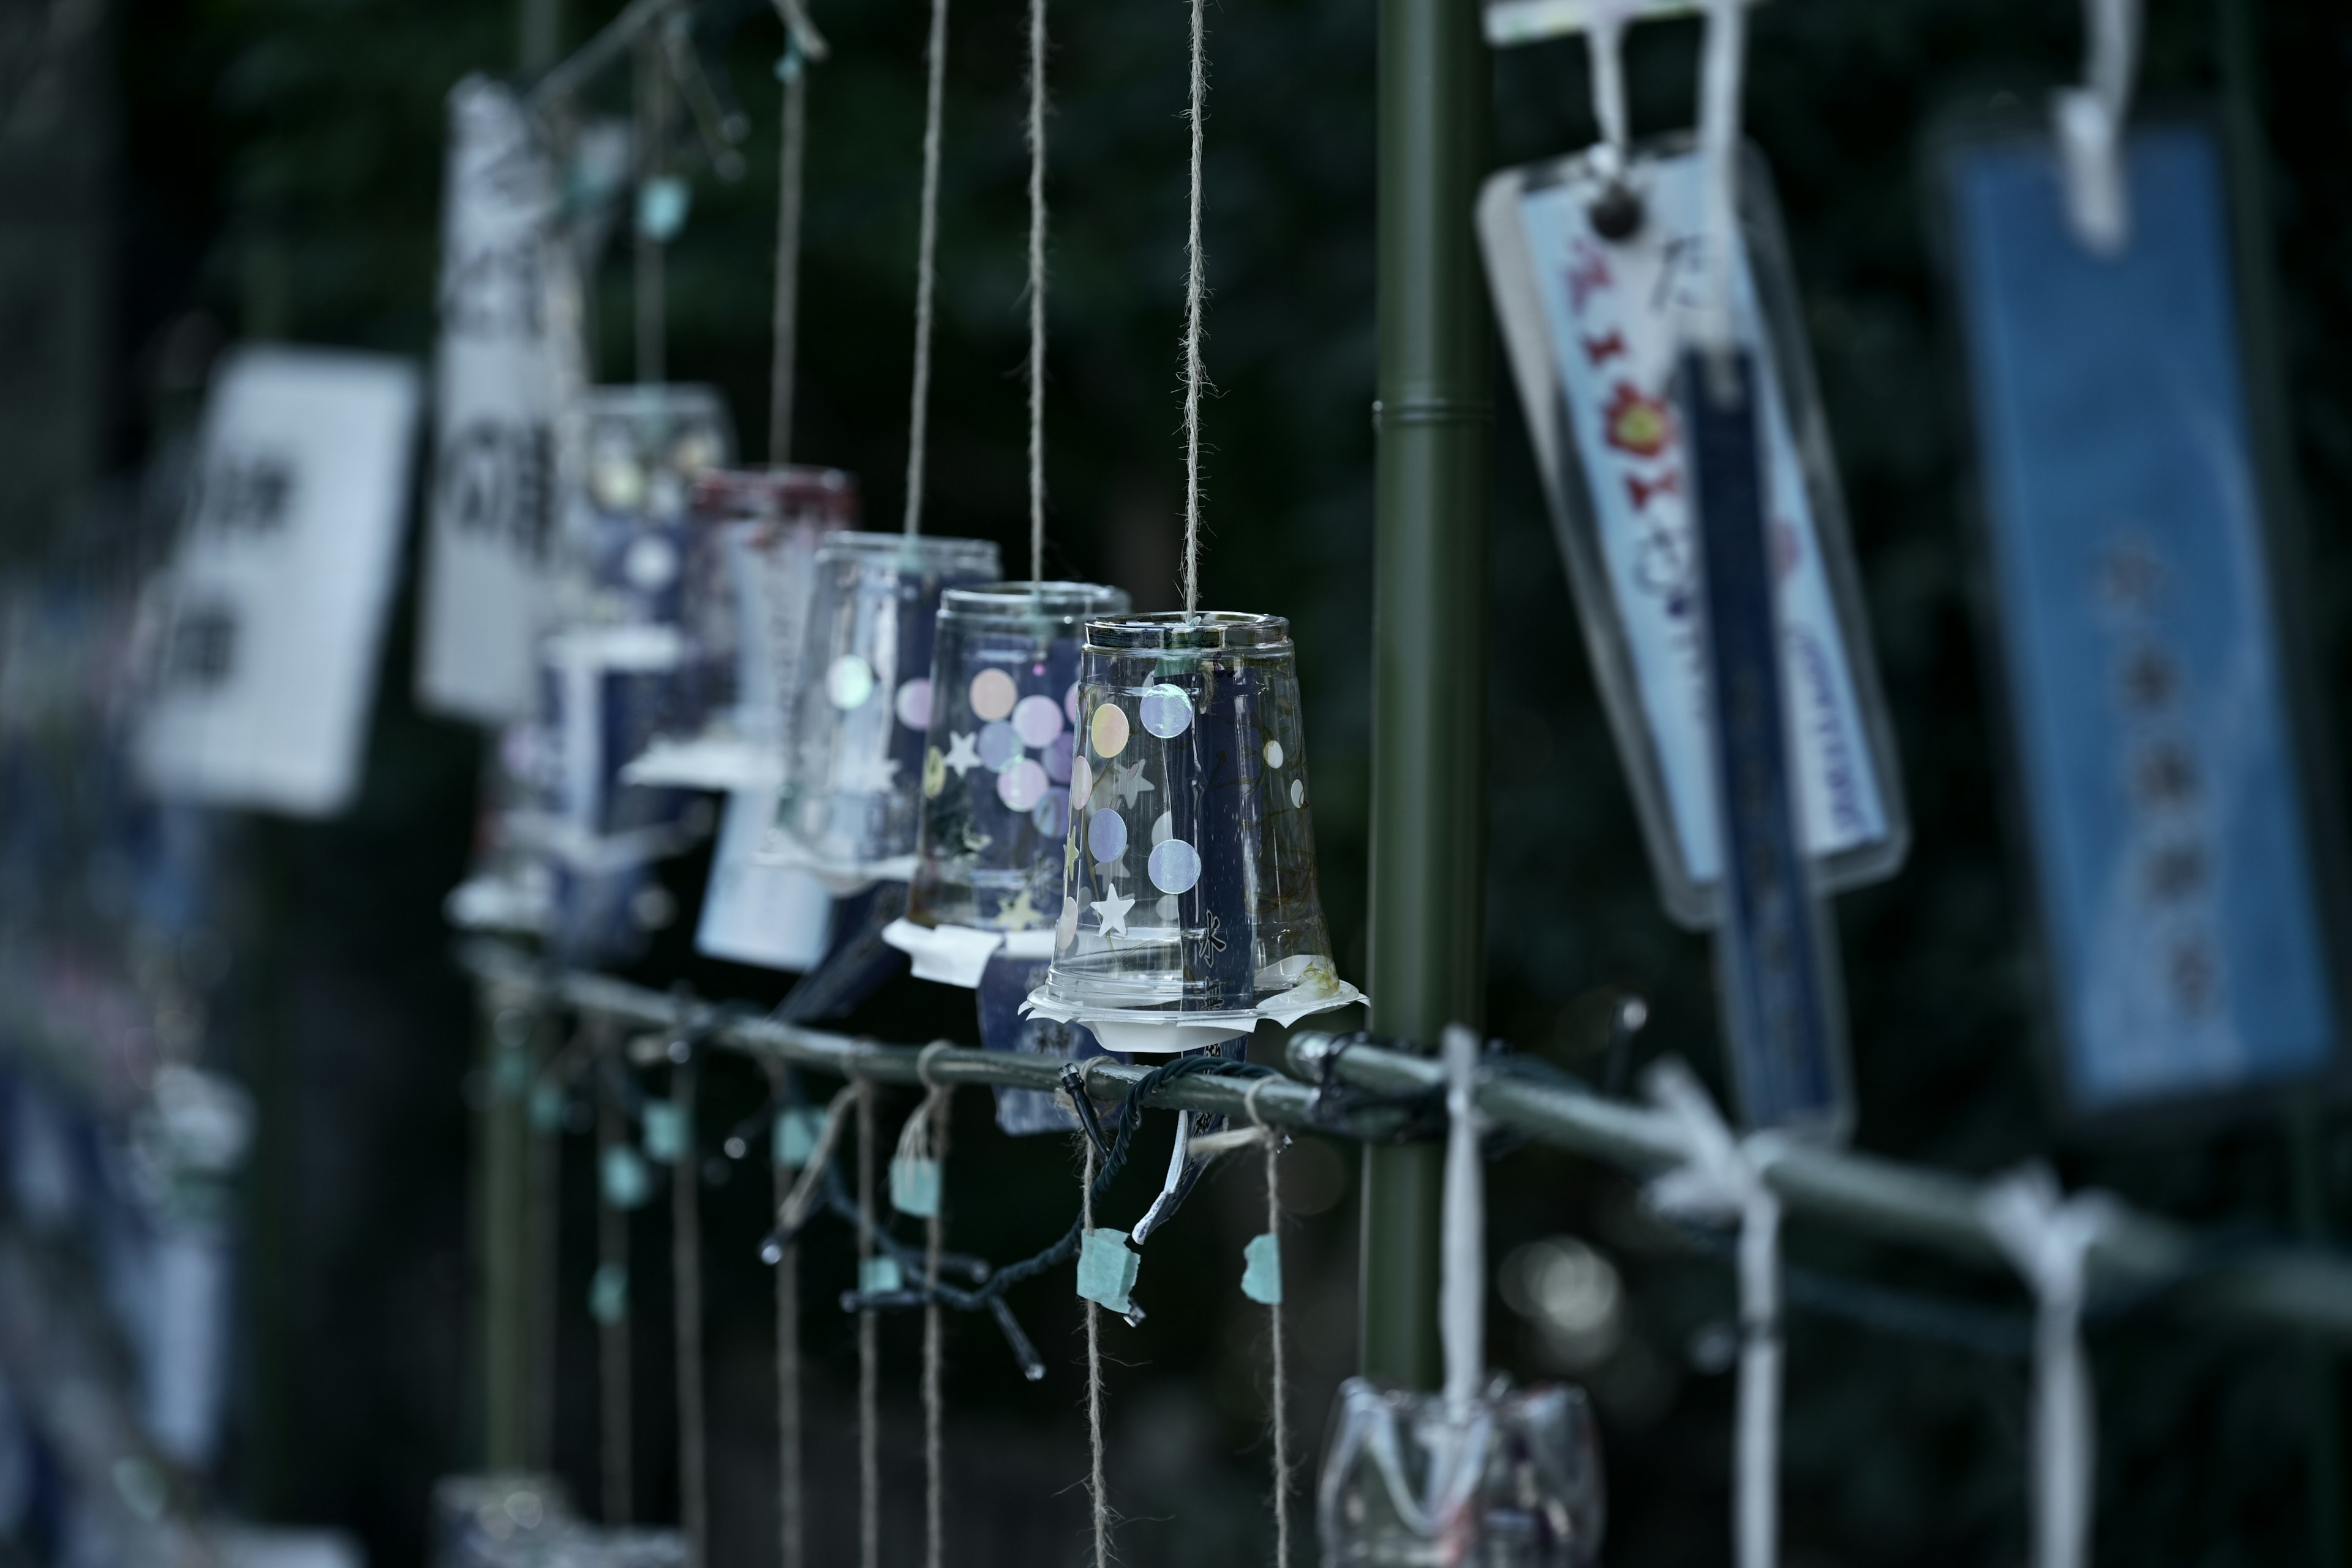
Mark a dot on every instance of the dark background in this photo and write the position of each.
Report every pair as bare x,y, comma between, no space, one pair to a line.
271,168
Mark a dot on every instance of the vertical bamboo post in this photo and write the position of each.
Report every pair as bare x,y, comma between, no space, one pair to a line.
1434,419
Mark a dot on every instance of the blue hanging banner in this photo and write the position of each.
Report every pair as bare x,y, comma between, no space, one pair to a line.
2179,901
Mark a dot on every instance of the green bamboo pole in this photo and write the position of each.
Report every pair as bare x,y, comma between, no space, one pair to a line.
1434,419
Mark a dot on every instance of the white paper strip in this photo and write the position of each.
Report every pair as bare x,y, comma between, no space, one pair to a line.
498,381
274,604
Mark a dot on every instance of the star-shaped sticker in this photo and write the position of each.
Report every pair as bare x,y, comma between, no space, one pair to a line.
1113,910
963,756
1127,782
1020,914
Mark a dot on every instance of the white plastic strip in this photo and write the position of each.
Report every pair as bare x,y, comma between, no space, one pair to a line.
2090,125
1510,22
1462,1300
1722,1178
2048,1237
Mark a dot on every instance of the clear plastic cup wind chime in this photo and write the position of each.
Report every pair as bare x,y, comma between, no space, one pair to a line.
1189,905
854,765
1479,1474
610,669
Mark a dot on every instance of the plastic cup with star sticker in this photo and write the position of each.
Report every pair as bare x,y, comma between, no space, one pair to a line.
853,759
995,775
1189,903
748,577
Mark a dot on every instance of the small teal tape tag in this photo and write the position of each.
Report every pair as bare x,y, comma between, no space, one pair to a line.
1261,1270
546,1107
915,1187
624,1178
793,1142
1107,1268
662,203
665,1131
880,1274
608,1294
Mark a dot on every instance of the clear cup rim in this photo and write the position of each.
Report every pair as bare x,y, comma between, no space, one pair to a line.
650,396
1175,631
928,549
1024,603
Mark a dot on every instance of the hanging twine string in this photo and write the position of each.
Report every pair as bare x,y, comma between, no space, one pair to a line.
1195,287
2049,1238
1722,1178
869,1473
918,417
1036,291
791,1503
802,47
653,125
1094,1379
1279,1396
926,1138
612,1262
686,1271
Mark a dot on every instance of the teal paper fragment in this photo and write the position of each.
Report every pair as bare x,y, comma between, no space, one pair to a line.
662,202
877,1275
665,1131
915,1187
1261,1270
608,1294
793,1142
624,1178
1107,1268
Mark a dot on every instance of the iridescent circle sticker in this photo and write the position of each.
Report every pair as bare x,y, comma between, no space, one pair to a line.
1000,748
1021,786
1174,866
1166,711
1082,780
1061,757
1070,704
1036,720
914,703
935,774
1107,834
848,682
1068,926
1299,791
993,694
1273,753
1110,730
1164,827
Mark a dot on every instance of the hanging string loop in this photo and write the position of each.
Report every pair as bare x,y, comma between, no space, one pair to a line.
2049,1238
2089,121
1723,1178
